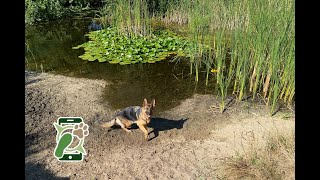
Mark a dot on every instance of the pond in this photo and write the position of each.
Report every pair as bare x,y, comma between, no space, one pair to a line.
50,46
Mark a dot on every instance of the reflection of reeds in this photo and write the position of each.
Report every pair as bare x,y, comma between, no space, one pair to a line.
249,44
28,50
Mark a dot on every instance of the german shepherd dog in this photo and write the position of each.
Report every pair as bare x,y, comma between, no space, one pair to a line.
133,115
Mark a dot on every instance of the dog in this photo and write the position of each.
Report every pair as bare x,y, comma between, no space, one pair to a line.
134,115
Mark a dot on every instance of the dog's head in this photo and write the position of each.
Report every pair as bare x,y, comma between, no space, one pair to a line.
147,109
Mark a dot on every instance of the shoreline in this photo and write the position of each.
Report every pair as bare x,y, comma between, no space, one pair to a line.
193,140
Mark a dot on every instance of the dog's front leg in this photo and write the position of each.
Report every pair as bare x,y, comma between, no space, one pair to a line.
144,130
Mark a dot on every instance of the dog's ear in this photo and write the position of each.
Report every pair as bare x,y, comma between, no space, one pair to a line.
145,102
153,103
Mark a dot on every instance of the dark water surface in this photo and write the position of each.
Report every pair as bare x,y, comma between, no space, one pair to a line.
168,82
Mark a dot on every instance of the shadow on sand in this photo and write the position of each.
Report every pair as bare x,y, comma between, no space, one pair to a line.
38,171
161,124
156,123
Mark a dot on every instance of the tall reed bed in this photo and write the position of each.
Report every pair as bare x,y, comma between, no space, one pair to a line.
251,45
130,17
246,45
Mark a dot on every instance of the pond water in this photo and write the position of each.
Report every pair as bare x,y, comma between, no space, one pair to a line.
50,46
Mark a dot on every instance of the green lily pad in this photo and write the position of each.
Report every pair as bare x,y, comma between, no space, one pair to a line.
114,62
109,45
102,59
124,63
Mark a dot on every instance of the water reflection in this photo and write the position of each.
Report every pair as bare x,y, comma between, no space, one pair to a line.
51,44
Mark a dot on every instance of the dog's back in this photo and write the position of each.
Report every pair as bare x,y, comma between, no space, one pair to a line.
129,113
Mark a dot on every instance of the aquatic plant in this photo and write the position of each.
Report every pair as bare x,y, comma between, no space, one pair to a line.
252,45
129,17
245,45
108,46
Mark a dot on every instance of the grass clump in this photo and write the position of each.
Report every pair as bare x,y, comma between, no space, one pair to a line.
272,160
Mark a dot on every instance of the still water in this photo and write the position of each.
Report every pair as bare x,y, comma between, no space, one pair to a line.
49,49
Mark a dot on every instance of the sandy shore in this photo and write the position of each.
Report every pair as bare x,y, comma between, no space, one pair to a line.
190,141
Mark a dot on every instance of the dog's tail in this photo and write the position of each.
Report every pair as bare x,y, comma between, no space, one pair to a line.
108,124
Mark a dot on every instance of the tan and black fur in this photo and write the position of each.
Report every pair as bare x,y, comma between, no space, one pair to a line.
134,115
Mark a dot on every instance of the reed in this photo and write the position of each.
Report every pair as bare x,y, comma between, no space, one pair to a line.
27,51
245,45
130,17
260,36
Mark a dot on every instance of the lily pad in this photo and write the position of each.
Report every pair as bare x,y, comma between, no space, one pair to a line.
108,45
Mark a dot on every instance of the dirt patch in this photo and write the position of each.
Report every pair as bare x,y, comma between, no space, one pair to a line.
189,141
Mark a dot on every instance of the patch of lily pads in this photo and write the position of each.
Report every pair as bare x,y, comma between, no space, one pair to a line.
108,46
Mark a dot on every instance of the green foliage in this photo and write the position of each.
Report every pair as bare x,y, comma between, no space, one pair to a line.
44,10
108,46
39,10
253,45
246,45
130,17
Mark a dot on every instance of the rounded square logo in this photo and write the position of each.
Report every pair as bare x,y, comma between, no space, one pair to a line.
71,132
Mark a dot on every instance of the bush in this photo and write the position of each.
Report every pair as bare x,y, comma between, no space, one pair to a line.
42,10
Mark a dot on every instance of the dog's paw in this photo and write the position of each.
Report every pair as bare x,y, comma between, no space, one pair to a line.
81,130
